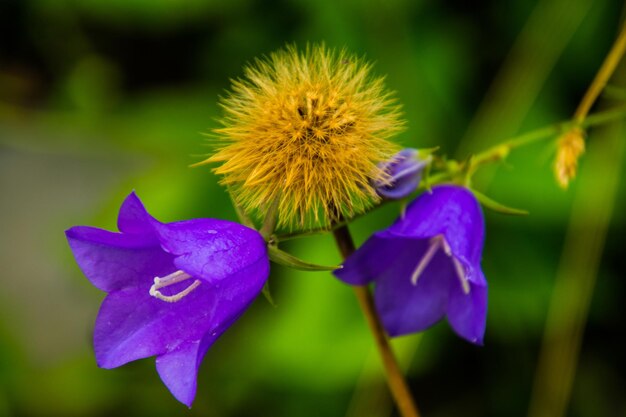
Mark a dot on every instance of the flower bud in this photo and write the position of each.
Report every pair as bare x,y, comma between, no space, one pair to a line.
571,146
404,172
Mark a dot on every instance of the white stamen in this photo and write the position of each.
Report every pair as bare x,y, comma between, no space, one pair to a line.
434,245
460,272
171,279
444,245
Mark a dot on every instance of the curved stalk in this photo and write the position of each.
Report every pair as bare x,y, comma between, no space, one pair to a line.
397,384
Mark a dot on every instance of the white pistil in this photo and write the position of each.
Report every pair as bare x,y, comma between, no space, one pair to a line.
436,243
171,279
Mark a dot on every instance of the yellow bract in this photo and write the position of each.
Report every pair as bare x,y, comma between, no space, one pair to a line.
307,128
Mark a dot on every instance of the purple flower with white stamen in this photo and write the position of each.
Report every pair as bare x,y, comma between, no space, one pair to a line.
427,266
173,288
405,173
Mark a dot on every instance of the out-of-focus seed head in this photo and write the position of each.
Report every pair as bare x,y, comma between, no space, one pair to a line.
571,145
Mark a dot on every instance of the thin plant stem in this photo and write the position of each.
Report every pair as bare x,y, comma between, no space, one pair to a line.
397,384
501,150
371,396
576,277
602,77
581,256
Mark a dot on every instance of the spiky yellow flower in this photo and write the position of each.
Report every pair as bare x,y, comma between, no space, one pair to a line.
571,145
306,128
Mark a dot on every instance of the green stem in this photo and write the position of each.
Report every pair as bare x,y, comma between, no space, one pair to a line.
581,256
501,151
592,209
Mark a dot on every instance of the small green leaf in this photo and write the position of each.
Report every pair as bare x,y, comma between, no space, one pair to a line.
495,206
267,294
426,176
286,259
241,214
403,203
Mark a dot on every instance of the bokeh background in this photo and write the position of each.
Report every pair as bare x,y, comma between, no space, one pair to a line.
99,97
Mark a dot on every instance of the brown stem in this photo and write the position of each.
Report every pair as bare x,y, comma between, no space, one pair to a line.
397,385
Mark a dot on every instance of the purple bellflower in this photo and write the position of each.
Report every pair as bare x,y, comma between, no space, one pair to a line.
427,266
173,288
405,173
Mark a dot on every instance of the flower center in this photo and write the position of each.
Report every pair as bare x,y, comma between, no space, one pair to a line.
436,243
171,279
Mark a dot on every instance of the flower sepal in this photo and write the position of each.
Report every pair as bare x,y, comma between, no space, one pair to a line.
267,293
283,258
498,207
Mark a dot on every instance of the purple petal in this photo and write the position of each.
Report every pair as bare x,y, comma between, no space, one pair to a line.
211,249
371,259
133,217
132,325
449,210
112,261
178,370
407,308
467,313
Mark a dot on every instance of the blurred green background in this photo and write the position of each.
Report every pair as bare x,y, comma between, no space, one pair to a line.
99,97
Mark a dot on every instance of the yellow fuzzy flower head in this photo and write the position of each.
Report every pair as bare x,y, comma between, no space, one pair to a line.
305,131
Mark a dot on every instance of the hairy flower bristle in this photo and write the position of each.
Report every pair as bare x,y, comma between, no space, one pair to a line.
571,146
307,128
